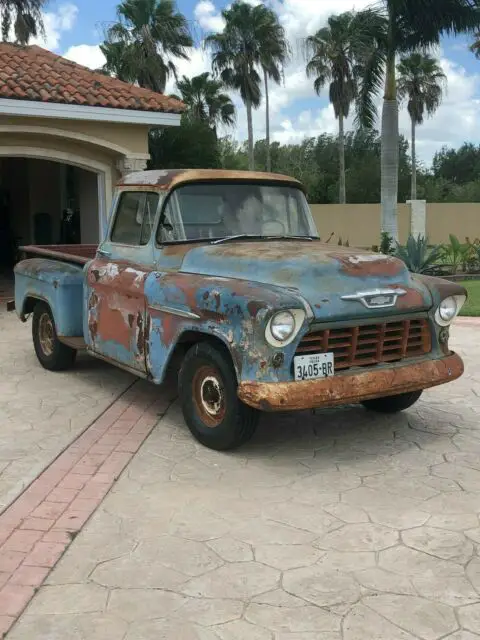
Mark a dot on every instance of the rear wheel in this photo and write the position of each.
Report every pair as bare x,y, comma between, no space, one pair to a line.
393,404
207,388
51,353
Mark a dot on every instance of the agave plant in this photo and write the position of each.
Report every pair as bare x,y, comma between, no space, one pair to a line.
418,256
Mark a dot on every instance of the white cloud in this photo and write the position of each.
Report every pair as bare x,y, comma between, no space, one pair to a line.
208,17
198,63
56,23
456,121
87,55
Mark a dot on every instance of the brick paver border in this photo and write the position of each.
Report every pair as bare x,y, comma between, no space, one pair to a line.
37,528
467,321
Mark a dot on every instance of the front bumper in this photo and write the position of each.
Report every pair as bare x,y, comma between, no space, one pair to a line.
350,388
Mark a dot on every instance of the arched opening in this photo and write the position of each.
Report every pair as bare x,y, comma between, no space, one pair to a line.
48,197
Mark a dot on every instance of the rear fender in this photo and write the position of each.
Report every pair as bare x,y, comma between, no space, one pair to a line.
58,284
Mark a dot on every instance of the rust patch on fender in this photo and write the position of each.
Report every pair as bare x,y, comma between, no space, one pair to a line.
351,388
254,306
445,288
411,300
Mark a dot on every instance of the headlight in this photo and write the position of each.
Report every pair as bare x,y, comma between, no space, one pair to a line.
448,310
282,326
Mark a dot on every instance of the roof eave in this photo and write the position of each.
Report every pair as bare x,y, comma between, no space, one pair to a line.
39,109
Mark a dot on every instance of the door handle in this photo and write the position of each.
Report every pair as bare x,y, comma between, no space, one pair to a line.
104,253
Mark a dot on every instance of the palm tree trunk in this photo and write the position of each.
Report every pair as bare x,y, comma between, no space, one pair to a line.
267,123
414,164
251,157
389,152
341,153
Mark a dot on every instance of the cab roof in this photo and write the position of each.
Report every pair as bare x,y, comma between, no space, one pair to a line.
167,179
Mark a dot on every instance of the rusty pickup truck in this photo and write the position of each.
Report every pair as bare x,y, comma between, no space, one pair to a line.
221,278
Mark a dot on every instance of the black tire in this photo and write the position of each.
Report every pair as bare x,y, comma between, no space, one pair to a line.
393,404
51,353
207,387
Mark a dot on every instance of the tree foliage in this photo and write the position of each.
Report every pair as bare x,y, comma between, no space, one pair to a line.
23,17
206,100
333,61
191,145
140,46
389,29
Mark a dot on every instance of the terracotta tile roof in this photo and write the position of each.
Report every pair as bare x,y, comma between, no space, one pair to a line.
33,73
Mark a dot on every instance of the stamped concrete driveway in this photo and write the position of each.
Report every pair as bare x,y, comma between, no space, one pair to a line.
41,413
340,525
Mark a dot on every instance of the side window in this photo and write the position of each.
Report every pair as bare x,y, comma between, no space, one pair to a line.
134,218
171,228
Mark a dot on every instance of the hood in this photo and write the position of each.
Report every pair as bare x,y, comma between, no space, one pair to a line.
320,273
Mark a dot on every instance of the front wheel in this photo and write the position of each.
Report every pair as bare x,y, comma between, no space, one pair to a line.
393,404
207,388
51,353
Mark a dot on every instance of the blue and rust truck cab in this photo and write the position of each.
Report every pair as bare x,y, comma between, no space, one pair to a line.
220,276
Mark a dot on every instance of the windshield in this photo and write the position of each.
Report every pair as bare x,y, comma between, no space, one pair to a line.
221,210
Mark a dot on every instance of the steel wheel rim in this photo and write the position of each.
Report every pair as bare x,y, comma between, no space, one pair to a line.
46,334
209,396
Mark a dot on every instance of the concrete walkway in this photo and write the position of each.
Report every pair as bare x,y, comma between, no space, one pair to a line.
338,526
42,412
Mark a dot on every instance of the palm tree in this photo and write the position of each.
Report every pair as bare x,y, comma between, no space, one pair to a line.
420,81
139,46
391,28
333,61
25,16
274,54
236,55
117,63
206,101
475,46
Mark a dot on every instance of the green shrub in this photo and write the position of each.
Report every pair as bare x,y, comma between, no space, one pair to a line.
455,255
387,246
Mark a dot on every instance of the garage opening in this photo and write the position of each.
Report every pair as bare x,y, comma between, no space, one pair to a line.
44,202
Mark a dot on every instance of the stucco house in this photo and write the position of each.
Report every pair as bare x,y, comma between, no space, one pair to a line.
66,135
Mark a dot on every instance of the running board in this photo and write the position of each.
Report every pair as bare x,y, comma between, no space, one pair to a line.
120,365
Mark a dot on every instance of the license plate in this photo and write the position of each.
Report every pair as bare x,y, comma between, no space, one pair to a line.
311,367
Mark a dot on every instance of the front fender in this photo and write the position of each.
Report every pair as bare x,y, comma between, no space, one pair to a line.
234,311
440,288
58,284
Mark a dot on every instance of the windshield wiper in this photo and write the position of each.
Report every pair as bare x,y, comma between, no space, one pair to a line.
239,236
249,236
309,238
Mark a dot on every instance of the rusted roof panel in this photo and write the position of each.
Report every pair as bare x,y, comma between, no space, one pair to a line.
166,179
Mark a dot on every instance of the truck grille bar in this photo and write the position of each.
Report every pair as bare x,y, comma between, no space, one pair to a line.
371,344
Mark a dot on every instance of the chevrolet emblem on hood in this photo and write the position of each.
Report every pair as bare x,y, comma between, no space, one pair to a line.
376,299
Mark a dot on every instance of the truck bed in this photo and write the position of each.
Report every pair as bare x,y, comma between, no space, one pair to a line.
76,253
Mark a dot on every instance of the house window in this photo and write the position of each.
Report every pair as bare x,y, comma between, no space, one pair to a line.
135,217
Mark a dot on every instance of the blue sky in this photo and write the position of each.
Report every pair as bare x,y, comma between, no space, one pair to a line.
75,27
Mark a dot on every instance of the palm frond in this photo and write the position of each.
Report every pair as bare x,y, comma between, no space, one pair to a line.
371,84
